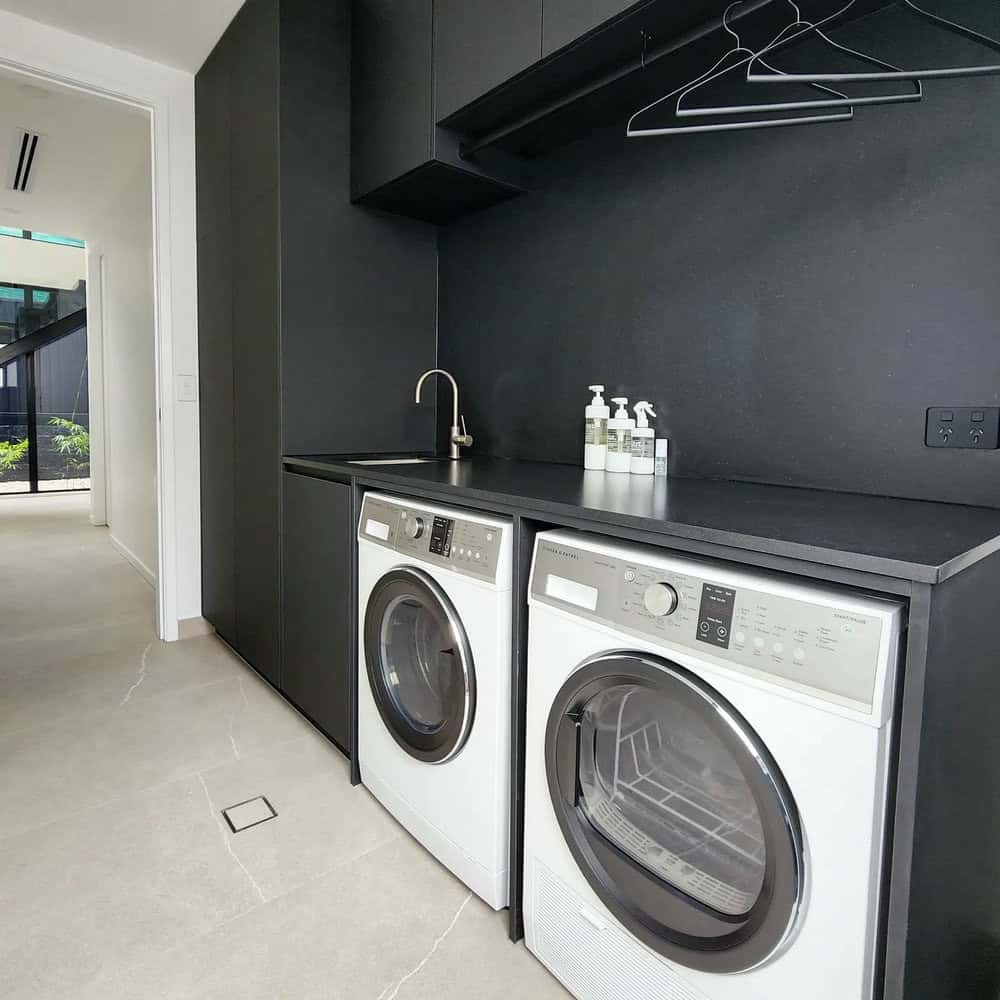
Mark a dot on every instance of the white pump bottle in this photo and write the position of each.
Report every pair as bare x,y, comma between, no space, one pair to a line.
595,448
643,443
620,437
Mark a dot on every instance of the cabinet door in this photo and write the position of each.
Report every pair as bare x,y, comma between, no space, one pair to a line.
479,44
215,372
566,20
215,343
257,447
316,613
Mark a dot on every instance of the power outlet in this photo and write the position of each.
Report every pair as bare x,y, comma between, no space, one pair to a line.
975,427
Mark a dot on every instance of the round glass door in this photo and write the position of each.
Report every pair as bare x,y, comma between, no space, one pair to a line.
419,665
675,812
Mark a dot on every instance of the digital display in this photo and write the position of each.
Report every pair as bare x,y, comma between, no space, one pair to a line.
715,615
441,536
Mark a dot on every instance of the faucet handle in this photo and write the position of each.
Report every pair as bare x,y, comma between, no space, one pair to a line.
465,438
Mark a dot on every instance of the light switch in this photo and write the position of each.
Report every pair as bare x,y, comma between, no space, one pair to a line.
187,388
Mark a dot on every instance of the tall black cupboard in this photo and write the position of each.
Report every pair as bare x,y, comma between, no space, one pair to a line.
314,315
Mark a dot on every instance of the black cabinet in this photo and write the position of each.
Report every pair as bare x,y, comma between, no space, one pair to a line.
400,160
566,20
479,44
317,609
305,301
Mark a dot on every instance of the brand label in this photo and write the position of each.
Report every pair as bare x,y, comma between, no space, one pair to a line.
620,441
642,447
597,431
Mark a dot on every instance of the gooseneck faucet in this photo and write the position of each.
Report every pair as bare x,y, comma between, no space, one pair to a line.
459,437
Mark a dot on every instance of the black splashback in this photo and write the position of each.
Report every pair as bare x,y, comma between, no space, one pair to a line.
790,300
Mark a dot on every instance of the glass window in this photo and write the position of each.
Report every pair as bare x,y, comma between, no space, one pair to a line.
66,241
658,784
423,675
8,231
63,421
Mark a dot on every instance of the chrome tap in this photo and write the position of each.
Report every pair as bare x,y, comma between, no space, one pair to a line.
459,437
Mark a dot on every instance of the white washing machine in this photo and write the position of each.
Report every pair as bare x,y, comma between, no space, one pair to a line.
434,681
706,777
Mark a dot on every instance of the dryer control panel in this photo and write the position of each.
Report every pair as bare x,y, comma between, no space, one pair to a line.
816,639
465,546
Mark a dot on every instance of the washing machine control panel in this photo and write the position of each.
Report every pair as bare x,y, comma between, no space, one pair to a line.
467,547
828,647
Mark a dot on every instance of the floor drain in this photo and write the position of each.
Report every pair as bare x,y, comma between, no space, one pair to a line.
253,812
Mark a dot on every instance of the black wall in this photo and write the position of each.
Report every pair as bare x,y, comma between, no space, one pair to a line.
792,300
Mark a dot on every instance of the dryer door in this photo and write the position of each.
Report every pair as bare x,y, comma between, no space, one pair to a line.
675,812
419,665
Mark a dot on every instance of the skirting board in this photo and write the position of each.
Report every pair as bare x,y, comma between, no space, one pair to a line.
141,568
188,628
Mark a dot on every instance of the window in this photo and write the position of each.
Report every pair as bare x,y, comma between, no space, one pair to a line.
27,234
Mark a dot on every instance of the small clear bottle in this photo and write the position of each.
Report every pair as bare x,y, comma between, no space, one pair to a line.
620,437
662,453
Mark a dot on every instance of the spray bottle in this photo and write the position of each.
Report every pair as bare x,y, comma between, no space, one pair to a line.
642,441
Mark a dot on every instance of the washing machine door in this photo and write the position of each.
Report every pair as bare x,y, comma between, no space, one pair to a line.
419,665
675,812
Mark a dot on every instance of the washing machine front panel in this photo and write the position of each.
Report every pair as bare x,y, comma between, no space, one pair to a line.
420,665
675,812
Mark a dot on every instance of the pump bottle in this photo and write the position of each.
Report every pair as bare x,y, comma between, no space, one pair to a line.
595,448
620,437
642,441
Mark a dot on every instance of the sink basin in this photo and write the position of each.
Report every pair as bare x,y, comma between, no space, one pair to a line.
392,461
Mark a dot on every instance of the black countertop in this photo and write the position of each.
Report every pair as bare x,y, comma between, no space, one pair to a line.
905,539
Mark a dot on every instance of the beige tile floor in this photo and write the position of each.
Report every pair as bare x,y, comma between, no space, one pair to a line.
118,875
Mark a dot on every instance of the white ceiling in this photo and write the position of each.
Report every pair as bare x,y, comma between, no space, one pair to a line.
90,148
179,33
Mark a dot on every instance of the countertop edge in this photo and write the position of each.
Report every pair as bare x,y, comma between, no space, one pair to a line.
839,558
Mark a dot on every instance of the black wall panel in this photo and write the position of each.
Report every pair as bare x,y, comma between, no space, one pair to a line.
791,300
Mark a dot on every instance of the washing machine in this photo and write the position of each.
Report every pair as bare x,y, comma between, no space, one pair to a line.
434,664
707,771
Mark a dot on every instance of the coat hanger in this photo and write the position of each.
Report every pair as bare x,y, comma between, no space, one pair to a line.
742,56
950,72
794,31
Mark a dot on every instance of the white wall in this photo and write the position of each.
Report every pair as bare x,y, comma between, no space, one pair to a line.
169,93
29,262
125,244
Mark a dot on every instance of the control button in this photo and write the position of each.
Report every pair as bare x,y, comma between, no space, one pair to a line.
740,637
704,626
978,416
722,631
799,655
479,555
660,599
946,416
758,642
414,527
778,648
489,536
630,575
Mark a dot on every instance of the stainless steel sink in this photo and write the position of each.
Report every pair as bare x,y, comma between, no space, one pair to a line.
391,461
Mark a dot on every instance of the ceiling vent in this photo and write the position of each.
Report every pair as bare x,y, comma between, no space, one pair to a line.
25,158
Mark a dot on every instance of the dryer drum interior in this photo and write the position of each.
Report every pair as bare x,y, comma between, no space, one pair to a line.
675,812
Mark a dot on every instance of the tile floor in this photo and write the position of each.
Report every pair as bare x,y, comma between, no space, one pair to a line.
119,877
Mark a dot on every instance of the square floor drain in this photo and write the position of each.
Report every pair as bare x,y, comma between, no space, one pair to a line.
253,812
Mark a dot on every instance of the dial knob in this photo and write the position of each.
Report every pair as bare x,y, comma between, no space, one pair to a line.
660,600
414,527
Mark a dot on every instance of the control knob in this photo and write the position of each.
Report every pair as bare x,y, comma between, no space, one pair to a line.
660,600
414,527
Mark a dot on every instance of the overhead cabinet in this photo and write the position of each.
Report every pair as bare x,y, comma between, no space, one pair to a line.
567,20
401,161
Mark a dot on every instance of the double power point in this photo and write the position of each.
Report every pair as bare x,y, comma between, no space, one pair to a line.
975,427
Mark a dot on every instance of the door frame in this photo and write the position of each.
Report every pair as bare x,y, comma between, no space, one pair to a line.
167,95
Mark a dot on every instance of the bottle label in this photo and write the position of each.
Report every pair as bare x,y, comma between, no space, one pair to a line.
620,441
642,447
597,431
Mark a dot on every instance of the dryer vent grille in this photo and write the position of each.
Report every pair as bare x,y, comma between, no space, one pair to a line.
595,963
25,151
